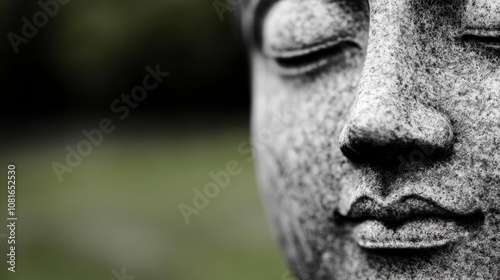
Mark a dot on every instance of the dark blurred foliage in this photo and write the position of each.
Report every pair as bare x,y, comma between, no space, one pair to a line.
118,207
92,51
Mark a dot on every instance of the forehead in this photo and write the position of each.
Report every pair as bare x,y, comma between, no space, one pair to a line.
252,13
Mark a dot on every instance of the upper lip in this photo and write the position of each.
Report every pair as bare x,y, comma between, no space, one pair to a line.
401,210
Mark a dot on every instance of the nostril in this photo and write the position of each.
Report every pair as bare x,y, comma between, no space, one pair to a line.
383,129
361,144
398,152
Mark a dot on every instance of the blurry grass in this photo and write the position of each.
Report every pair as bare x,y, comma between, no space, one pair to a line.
119,208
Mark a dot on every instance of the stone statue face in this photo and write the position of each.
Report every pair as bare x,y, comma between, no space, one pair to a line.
376,130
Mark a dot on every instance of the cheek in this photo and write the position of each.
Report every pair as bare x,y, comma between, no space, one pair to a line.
296,124
477,114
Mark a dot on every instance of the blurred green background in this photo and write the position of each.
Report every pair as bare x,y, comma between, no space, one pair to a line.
119,207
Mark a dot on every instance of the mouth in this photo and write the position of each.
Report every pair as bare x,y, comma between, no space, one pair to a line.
409,223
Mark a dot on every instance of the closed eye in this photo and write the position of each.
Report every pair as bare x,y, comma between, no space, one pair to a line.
486,40
308,60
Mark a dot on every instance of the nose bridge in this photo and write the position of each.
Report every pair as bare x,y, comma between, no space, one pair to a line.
387,54
385,117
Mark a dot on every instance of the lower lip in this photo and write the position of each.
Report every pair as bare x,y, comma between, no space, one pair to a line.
420,233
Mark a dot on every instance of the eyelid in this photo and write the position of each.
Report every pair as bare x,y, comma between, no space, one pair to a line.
305,50
295,27
482,32
483,37
309,60
488,36
300,37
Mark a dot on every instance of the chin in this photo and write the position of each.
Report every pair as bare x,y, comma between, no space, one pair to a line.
342,258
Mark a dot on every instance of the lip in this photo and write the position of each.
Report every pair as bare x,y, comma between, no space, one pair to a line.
420,233
411,222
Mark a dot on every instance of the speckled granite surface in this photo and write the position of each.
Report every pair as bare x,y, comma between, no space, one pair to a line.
376,130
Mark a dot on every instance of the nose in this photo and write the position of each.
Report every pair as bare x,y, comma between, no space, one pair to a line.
381,127
391,115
